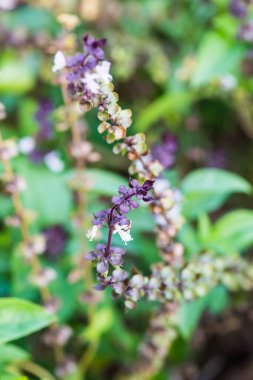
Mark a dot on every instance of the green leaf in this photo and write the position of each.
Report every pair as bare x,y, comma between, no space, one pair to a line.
190,312
104,182
18,78
33,19
19,318
163,107
217,299
216,56
233,232
26,116
47,193
204,226
189,315
207,189
8,376
9,353
188,237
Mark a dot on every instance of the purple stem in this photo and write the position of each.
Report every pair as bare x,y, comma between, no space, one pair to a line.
109,241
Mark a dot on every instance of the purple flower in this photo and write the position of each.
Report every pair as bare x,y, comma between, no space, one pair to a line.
81,63
56,239
103,260
166,150
42,116
44,133
246,32
217,159
107,257
100,218
94,47
238,8
123,203
37,155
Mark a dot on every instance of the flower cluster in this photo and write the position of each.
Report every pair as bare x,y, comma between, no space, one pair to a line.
166,204
89,80
115,219
167,211
38,148
93,88
56,238
238,8
165,151
188,281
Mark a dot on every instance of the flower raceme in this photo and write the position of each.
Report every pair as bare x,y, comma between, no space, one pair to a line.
88,80
115,219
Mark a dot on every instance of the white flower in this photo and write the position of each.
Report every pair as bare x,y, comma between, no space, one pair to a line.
100,75
124,232
90,80
92,233
161,185
228,82
59,61
103,71
53,162
26,144
7,5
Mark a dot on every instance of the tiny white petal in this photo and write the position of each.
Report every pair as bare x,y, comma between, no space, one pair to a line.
124,233
53,162
160,185
103,71
7,5
59,61
26,144
90,80
92,233
228,82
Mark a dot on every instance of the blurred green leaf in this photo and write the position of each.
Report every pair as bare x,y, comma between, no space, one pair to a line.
9,353
226,24
216,56
204,226
19,318
68,294
217,299
47,193
190,312
189,315
104,182
207,189
34,19
162,107
8,376
26,117
188,237
18,78
233,232
21,287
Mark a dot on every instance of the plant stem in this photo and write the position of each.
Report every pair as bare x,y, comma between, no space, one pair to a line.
36,370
